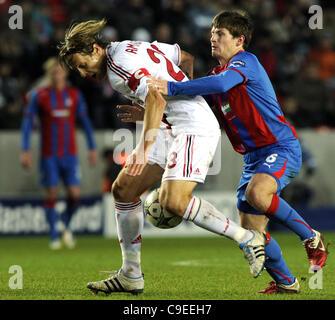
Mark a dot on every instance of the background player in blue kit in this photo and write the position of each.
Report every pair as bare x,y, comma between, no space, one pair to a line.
57,106
244,100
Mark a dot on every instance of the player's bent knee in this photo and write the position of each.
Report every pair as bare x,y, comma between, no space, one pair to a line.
119,192
255,197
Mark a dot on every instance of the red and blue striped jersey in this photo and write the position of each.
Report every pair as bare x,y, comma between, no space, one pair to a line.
245,101
249,111
57,111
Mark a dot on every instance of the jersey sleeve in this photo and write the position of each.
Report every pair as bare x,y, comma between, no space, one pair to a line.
171,51
31,110
32,106
245,64
85,121
206,85
128,76
81,107
137,83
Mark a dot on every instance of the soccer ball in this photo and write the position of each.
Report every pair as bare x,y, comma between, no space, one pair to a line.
158,216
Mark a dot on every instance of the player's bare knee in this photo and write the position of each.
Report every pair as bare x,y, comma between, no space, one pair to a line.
119,192
255,196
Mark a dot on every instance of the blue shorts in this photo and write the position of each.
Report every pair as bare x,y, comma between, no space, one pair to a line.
280,160
53,168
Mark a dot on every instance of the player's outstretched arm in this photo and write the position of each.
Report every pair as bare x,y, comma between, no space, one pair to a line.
202,86
154,108
27,125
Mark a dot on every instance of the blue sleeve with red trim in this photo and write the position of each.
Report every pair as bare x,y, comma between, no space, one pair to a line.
28,120
246,64
85,121
206,85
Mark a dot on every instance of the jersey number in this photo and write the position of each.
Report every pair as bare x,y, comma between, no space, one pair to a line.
173,160
178,76
272,158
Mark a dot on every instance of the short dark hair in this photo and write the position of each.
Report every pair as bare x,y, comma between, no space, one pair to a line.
237,22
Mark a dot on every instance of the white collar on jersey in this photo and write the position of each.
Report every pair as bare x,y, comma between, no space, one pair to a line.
112,47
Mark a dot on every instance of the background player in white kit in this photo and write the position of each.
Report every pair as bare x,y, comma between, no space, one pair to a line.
190,130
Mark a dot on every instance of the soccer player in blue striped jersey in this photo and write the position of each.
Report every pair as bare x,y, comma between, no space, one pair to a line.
243,97
57,106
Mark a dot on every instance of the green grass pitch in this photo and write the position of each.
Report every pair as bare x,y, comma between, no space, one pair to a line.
202,268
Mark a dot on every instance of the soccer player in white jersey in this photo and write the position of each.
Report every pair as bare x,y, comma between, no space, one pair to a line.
185,124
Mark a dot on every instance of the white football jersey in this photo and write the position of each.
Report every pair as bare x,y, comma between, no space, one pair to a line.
128,65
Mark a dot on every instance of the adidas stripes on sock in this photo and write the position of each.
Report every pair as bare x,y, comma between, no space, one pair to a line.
129,221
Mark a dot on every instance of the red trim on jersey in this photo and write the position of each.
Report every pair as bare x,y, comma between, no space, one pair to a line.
241,73
280,172
136,77
283,120
226,65
273,206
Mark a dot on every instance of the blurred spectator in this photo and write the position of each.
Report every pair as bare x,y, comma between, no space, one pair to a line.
131,15
300,193
266,54
282,40
200,16
42,27
312,97
175,15
323,55
288,69
141,34
163,33
10,99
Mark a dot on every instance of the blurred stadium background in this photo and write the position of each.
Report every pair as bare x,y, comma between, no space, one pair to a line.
299,61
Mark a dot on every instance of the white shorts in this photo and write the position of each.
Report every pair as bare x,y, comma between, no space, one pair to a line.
159,149
184,157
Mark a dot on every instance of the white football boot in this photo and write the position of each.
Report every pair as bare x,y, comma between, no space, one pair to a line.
55,245
253,251
117,282
68,239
